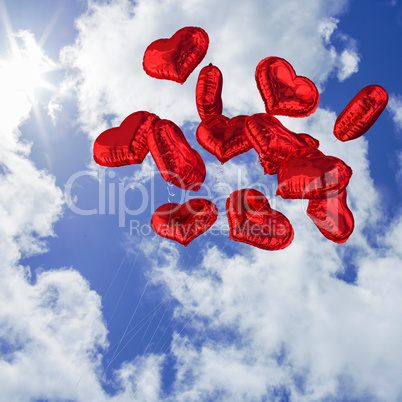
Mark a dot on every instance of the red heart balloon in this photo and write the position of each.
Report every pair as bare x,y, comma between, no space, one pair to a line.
361,113
177,162
308,173
284,92
332,217
127,144
272,141
175,58
183,223
223,137
252,221
208,92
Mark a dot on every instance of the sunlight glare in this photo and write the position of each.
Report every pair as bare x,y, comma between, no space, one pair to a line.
24,70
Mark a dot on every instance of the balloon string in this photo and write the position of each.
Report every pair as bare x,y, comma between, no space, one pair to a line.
219,173
170,191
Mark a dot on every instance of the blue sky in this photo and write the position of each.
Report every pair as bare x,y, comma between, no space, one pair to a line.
94,306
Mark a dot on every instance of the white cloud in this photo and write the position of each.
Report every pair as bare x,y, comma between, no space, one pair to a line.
20,179
54,328
55,337
52,331
349,64
292,321
327,28
395,108
276,322
140,379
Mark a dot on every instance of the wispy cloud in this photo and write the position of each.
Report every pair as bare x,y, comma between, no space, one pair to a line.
349,64
395,108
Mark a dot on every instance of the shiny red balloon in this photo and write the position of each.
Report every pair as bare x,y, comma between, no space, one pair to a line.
284,92
361,113
183,223
253,221
175,58
311,141
310,174
332,217
223,137
127,144
272,141
177,162
208,92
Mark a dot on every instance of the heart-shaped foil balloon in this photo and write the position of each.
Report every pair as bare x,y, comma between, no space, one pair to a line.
253,221
175,58
310,174
127,144
361,113
332,217
272,141
223,137
284,92
177,162
183,223
208,92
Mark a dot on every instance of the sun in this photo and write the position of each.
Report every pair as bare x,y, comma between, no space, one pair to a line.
24,71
